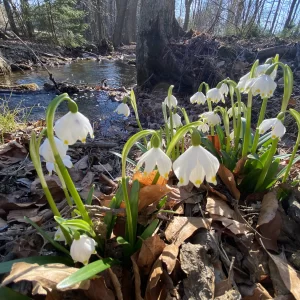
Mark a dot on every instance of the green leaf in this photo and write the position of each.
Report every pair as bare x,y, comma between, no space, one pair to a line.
271,176
162,203
90,195
122,241
77,225
220,134
87,272
47,237
282,172
147,233
5,267
9,294
141,147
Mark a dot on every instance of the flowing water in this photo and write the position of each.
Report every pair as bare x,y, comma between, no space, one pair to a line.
95,105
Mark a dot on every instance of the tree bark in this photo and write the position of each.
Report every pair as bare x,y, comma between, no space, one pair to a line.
10,17
130,22
289,17
157,25
27,18
121,10
275,16
188,4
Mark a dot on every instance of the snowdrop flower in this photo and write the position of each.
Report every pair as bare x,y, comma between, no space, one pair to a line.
155,157
198,98
82,249
212,118
72,127
278,129
224,89
172,102
176,121
264,86
236,111
203,128
123,109
261,69
195,164
46,152
214,95
243,81
59,236
231,135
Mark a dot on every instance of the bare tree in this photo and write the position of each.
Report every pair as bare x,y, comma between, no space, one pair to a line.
188,4
120,19
10,17
130,22
290,14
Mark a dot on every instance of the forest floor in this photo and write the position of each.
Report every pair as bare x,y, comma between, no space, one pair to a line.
211,246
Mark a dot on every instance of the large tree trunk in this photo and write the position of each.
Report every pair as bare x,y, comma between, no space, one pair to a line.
188,4
130,22
10,17
157,25
121,10
289,17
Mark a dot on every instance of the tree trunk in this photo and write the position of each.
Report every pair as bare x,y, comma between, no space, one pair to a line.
157,25
121,10
289,17
10,17
188,4
275,17
27,18
130,22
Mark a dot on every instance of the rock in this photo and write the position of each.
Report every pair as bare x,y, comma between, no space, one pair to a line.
18,67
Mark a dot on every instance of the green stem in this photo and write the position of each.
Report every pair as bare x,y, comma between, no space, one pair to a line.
233,114
237,133
247,135
155,179
267,165
64,172
260,119
212,130
63,184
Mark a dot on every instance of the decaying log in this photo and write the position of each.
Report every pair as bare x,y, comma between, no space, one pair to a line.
283,50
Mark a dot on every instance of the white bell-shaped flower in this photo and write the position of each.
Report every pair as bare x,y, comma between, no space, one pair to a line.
278,129
155,157
261,69
82,249
236,111
72,127
243,81
264,86
123,109
211,118
203,128
171,101
198,98
195,164
176,121
214,95
224,89
46,151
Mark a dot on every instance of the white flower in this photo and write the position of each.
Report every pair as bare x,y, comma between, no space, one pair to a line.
123,109
215,95
236,111
212,118
195,164
278,129
171,102
264,86
176,121
155,157
261,69
231,135
46,152
82,249
59,236
224,89
204,128
198,98
72,127
243,81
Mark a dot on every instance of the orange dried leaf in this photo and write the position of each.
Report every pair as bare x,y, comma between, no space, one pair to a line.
217,206
228,179
169,257
147,180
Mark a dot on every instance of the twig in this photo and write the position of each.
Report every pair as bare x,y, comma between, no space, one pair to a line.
116,284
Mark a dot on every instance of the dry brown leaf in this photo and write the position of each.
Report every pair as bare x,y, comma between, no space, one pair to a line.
217,206
239,166
169,257
48,276
268,209
147,180
98,290
3,223
88,180
153,288
18,215
288,274
11,153
182,228
269,221
234,226
152,193
227,178
151,249
137,277
259,293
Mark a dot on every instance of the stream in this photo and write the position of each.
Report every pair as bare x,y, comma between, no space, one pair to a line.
95,104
